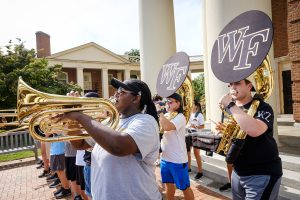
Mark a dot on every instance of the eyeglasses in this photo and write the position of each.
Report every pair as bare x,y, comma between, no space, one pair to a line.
170,102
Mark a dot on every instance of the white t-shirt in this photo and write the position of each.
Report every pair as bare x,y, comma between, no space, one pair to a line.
129,177
196,121
173,142
79,158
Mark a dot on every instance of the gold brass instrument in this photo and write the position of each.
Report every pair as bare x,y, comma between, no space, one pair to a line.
187,94
264,83
39,108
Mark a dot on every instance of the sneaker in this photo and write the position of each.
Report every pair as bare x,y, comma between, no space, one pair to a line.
40,166
225,187
51,177
78,197
55,183
39,162
57,191
44,174
198,175
189,170
63,193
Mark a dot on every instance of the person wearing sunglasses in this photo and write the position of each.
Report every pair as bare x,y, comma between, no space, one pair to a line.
122,163
174,160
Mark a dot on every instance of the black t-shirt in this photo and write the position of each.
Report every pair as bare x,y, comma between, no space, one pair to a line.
260,156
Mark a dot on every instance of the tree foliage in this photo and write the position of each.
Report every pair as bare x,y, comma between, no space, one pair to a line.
17,61
133,52
199,89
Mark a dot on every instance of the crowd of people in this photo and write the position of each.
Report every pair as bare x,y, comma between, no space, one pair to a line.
119,163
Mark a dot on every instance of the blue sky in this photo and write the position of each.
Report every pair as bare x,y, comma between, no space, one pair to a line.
112,24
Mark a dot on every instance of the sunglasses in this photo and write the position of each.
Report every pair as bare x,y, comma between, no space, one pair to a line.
170,102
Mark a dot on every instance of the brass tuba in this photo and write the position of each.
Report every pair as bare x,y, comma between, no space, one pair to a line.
264,83
39,108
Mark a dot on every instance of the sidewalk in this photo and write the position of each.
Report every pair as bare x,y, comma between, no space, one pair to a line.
19,180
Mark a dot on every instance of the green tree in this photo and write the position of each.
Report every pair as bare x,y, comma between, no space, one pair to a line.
17,61
198,85
133,55
133,52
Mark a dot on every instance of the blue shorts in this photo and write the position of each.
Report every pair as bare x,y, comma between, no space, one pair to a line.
175,173
87,180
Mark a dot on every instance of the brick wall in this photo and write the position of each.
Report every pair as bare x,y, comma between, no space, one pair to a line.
42,44
71,74
294,52
279,19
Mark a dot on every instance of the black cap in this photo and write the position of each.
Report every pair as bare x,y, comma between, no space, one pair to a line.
176,96
130,85
92,94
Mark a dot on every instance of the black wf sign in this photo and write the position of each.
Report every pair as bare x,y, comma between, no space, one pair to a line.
242,46
172,74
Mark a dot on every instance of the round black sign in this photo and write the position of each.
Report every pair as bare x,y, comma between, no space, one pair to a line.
242,46
172,74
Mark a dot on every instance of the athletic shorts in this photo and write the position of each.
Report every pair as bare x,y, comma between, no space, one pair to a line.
176,173
255,186
80,177
71,168
57,162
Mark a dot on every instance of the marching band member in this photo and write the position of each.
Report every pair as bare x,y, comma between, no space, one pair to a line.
257,169
174,161
123,159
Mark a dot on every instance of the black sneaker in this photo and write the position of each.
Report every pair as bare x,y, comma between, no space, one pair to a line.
225,187
51,178
78,197
55,183
63,193
39,162
44,174
40,166
57,191
198,175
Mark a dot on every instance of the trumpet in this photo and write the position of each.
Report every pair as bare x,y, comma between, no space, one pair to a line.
40,108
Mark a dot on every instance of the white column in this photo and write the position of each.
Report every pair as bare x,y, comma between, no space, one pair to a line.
157,37
79,77
217,15
127,74
104,74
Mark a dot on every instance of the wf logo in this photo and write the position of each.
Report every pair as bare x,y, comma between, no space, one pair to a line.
171,74
229,43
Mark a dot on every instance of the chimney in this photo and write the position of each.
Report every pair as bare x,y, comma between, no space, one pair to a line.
42,44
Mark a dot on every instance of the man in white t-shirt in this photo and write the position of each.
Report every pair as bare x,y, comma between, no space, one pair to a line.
123,159
174,161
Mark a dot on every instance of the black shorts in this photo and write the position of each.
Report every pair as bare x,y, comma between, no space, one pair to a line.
80,177
57,162
71,168
189,143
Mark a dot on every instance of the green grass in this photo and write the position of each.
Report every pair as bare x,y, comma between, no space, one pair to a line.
17,155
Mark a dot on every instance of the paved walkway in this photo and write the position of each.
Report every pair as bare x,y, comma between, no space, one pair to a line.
19,180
